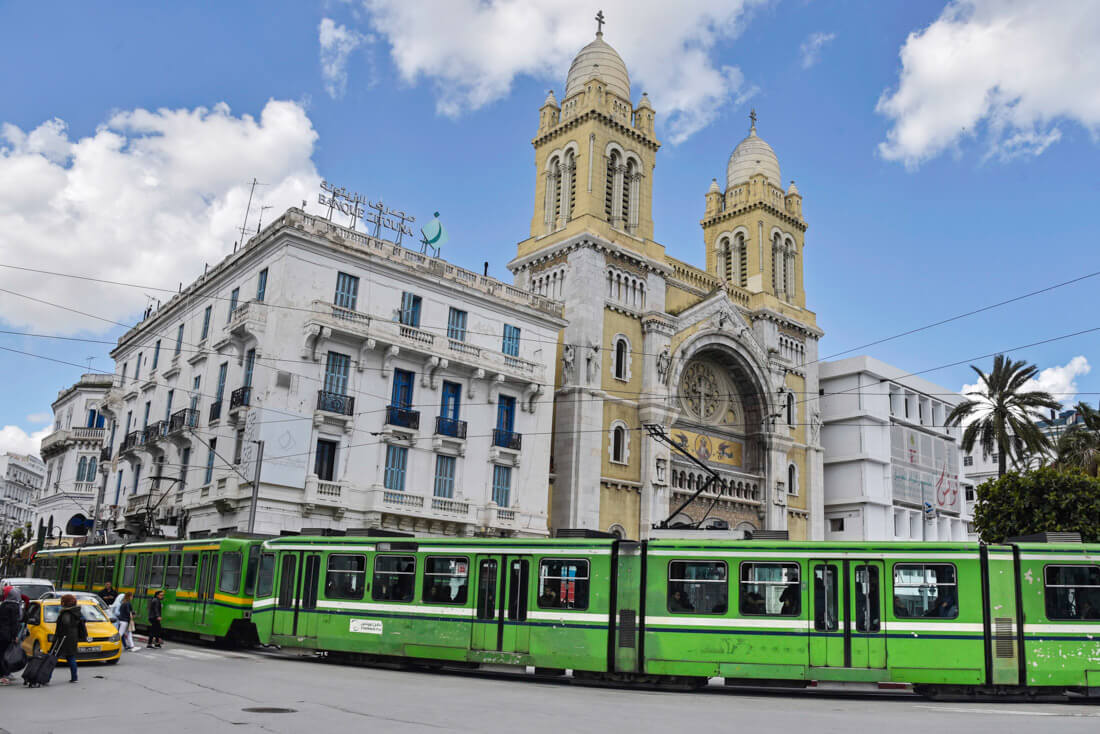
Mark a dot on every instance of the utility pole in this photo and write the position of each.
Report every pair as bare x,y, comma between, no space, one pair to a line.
255,487
98,504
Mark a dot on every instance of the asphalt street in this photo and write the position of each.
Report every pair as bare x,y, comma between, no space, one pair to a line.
192,688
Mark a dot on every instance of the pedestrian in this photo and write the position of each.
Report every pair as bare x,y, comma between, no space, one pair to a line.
126,621
108,593
71,631
156,612
11,619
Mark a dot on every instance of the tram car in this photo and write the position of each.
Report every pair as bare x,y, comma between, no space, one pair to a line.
1012,619
208,583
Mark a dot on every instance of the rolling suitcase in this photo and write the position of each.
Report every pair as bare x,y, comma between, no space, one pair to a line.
39,669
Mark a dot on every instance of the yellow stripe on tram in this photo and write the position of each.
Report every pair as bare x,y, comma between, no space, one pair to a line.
246,600
186,595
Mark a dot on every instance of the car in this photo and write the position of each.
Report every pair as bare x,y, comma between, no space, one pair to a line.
32,588
104,643
92,596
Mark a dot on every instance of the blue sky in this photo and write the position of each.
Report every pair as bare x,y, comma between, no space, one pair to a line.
973,180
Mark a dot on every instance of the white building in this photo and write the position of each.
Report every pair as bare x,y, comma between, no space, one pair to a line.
21,479
73,451
389,388
891,463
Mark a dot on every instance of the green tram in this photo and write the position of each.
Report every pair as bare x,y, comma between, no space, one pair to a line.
1018,618
208,583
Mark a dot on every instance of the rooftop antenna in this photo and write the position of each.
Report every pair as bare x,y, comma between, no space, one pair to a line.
262,210
89,359
248,208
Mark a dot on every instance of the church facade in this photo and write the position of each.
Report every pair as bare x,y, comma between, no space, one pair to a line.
723,358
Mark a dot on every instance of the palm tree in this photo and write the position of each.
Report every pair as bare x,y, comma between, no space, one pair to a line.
1079,446
1004,414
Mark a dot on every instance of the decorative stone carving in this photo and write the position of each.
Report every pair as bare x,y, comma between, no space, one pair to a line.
387,359
593,365
701,391
664,362
815,428
567,357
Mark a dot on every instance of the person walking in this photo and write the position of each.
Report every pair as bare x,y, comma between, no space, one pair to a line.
71,631
156,612
11,618
126,621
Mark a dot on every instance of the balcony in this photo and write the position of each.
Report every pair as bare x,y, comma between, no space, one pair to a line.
249,317
104,454
84,488
215,411
130,442
58,441
447,506
240,398
181,420
450,427
402,417
334,402
154,432
507,439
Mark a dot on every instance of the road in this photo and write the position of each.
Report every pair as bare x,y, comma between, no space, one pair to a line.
192,688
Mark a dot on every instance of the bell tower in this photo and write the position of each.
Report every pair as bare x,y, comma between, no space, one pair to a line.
594,155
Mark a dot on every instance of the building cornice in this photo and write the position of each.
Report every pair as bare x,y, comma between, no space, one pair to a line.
592,114
796,222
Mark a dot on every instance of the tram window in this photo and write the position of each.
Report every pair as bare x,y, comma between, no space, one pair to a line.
129,566
95,570
445,579
346,576
156,572
394,578
868,615
187,571
230,579
563,584
770,590
172,576
287,580
82,571
925,590
826,618
698,587
1072,592
250,570
265,581
108,570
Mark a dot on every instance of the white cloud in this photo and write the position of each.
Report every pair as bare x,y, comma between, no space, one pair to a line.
1059,381
337,43
471,50
148,198
811,48
1005,70
39,418
18,441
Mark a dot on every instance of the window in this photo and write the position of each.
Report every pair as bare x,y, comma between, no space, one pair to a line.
995,457
125,367
402,389
698,587
195,394
250,570
506,413
792,479
394,578
397,458
261,285
137,478
220,392
266,580
444,476
185,461
336,373
347,291
770,589
129,566
325,464
237,446
563,584
836,524
172,576
145,417
445,580
156,570
230,579
234,296
346,576
210,462
206,321
511,340
452,398
81,468
137,375
968,461
1072,592
156,354
826,617
187,571
82,570
456,325
410,310
868,617
179,339
618,445
621,357
790,409
249,366
502,484
925,590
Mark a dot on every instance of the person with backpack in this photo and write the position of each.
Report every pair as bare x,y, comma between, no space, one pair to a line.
11,619
70,632
156,613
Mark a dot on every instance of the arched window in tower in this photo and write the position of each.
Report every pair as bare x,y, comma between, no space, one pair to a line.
792,479
725,254
777,264
629,196
90,474
619,443
788,270
567,186
610,204
790,409
622,354
552,199
619,446
742,262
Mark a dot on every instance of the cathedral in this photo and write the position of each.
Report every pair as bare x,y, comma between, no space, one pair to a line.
722,358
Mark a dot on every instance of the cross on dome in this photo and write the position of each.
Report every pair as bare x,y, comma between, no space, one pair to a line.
752,117
599,23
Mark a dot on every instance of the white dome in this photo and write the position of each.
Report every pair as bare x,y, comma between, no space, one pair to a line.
598,60
752,156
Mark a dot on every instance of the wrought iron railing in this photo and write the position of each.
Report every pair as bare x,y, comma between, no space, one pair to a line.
334,402
396,416
450,427
507,439
241,397
183,419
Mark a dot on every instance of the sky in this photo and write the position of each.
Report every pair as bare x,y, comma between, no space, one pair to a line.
946,154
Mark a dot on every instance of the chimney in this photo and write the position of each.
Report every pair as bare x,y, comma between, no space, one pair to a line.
486,271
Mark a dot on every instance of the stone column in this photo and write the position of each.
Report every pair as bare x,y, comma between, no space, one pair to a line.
655,407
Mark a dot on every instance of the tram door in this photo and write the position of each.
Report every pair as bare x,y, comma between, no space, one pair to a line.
828,625
208,572
503,590
296,595
141,585
868,638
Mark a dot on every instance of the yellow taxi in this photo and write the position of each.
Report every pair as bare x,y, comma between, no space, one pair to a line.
104,643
